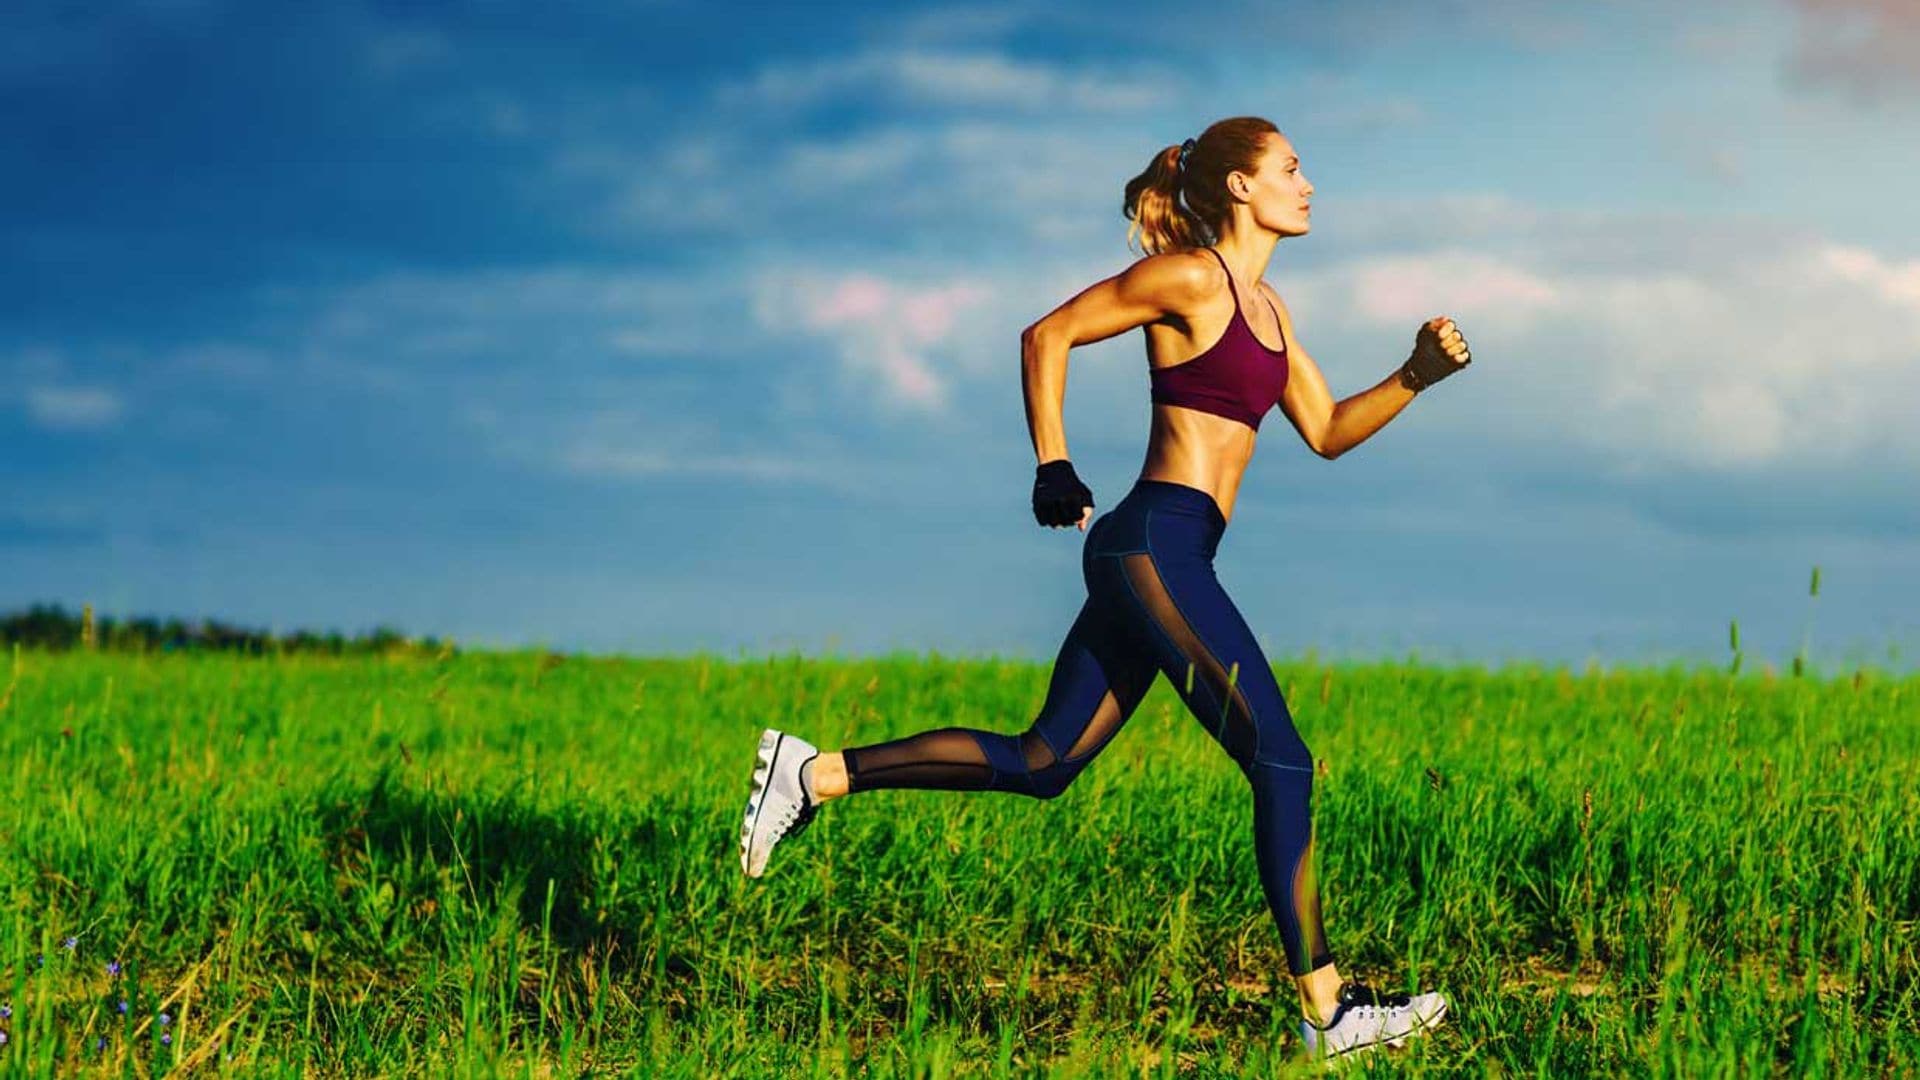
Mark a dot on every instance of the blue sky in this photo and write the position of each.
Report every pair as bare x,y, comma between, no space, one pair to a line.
666,327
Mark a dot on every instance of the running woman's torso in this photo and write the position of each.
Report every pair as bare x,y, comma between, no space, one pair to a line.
1207,405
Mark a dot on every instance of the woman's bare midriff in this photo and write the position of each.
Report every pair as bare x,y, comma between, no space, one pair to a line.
1188,446
1200,450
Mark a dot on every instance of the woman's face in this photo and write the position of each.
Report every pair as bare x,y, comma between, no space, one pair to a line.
1279,193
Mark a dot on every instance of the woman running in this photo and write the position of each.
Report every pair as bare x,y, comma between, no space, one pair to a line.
1153,604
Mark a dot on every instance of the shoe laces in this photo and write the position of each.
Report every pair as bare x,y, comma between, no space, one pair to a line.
796,816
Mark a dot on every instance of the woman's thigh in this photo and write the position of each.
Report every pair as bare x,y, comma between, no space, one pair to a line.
1099,676
1169,602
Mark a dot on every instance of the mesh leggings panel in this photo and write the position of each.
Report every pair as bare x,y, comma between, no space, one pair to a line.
948,758
1098,679
1232,724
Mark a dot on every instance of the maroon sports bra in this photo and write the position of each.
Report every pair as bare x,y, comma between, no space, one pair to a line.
1236,377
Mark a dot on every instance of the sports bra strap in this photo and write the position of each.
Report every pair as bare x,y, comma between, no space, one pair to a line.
1223,266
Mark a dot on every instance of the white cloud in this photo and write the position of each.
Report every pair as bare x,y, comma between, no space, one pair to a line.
73,408
1778,352
1895,282
945,78
944,182
1412,289
891,337
577,336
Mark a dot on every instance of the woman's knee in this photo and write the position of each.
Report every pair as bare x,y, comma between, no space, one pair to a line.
1027,764
1052,781
1276,740
1047,773
1281,744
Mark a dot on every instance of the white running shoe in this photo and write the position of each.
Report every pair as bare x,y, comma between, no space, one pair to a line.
1366,1018
779,806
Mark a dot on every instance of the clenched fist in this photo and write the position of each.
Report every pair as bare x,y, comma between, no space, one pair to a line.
1438,351
1059,498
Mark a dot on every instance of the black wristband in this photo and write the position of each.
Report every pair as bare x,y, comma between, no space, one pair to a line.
1410,378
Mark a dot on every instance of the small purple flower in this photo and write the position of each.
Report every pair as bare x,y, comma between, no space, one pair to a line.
113,968
122,1007
100,1043
70,944
3,1038
163,1019
166,1038
6,1012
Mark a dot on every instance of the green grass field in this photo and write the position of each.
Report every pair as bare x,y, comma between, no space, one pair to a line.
519,864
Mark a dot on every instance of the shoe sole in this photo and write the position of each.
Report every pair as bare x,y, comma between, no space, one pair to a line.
769,748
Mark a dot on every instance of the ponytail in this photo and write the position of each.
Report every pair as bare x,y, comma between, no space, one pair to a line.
1153,205
1173,208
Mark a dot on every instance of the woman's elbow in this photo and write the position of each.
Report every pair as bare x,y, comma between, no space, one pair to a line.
1041,330
1320,441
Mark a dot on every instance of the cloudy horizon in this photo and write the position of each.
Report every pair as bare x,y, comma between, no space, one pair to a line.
658,330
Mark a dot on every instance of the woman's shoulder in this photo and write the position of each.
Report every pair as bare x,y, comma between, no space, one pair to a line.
1184,276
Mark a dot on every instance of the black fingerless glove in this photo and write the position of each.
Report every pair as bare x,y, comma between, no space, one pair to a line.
1429,362
1058,495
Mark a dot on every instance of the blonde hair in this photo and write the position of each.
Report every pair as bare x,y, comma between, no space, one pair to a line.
1153,199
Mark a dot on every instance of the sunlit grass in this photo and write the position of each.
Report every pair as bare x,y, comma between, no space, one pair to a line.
518,864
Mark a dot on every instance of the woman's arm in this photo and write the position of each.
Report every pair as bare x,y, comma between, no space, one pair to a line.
1356,418
1043,381
1332,428
1147,291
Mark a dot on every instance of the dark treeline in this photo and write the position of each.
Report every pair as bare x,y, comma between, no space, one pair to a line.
50,626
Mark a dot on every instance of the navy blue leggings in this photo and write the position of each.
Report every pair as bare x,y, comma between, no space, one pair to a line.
1153,605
